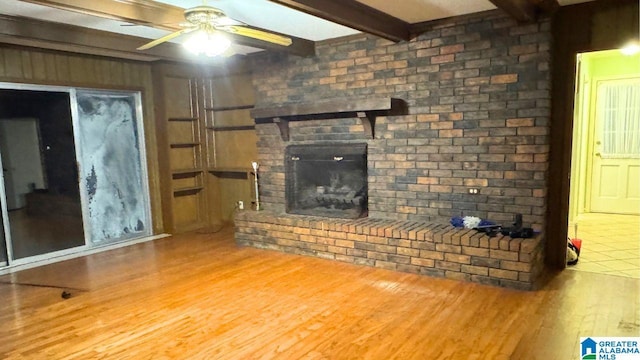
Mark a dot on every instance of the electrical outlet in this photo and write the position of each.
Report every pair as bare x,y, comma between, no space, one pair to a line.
474,191
240,205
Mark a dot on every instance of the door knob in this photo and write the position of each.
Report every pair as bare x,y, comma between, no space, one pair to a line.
597,154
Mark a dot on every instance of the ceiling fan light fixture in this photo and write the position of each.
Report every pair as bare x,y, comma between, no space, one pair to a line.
207,43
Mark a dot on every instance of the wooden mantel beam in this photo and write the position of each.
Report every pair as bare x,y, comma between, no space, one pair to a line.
162,16
366,109
355,15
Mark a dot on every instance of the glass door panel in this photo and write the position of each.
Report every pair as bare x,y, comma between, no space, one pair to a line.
113,178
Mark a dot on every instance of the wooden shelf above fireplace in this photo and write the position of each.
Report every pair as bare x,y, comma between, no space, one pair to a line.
366,109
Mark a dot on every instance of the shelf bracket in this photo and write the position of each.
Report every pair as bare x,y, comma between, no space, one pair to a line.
368,120
283,125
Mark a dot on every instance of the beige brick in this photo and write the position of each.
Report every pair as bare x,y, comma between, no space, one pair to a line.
298,230
345,243
357,237
515,266
442,59
377,240
504,79
436,255
325,240
446,265
386,249
503,274
308,238
503,255
454,249
337,250
337,234
408,251
422,262
476,270
463,259
377,255
474,251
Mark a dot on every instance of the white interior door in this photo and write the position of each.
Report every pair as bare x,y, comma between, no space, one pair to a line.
615,175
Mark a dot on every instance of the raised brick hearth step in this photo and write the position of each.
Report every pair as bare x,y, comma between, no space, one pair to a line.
408,246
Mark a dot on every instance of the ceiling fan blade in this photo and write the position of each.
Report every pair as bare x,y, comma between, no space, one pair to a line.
166,38
257,34
227,21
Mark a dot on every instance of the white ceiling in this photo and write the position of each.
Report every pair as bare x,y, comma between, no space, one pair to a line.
263,14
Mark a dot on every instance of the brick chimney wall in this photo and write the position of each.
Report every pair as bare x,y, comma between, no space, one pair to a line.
478,95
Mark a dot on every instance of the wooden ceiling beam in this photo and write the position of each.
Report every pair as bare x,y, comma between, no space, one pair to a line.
547,6
355,15
165,17
54,36
521,10
526,10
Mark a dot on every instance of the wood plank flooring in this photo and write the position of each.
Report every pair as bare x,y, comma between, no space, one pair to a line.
199,296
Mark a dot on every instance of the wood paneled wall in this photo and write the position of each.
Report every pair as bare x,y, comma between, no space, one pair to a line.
208,142
32,66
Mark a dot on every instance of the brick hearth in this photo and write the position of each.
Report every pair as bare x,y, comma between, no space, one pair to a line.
407,246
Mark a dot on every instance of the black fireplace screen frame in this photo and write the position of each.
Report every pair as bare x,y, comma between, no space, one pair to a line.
327,180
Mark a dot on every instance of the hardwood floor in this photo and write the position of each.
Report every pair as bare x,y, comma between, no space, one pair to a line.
199,296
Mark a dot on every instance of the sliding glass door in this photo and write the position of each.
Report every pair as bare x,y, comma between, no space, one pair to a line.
86,184
113,178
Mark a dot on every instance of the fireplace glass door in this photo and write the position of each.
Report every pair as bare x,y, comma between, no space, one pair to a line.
327,180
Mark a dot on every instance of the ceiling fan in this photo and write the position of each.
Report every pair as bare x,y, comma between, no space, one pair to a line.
211,21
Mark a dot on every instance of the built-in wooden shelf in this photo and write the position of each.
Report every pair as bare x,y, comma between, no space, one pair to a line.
183,119
185,171
183,145
230,108
230,170
366,109
231,127
187,190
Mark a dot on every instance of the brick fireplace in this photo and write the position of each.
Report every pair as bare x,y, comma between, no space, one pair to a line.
477,96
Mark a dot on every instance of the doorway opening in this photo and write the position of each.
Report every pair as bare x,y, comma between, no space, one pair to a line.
40,172
604,201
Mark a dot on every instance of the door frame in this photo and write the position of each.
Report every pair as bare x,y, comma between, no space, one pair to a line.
88,247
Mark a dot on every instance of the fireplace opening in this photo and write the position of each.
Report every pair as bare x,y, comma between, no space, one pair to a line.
327,180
